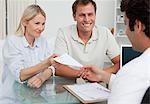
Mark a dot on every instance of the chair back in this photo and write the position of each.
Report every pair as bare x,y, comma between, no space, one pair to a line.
146,97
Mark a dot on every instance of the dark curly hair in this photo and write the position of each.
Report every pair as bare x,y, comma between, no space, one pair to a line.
137,10
82,2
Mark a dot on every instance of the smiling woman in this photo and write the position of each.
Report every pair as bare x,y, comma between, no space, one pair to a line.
26,54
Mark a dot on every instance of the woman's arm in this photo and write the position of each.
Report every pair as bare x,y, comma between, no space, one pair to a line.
37,80
14,59
31,71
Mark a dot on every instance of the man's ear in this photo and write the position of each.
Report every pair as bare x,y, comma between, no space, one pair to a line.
139,26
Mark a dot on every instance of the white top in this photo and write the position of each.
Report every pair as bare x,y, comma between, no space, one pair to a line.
100,44
18,54
131,81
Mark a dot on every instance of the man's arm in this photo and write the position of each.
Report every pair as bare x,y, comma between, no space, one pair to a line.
66,71
114,68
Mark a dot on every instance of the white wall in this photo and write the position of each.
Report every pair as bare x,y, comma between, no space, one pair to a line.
105,12
59,14
15,11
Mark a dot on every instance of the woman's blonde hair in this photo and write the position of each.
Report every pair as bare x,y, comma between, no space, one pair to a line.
29,13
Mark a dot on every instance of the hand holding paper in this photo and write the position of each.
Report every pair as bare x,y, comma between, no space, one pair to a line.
67,60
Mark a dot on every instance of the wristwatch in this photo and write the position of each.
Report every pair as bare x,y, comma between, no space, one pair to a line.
52,68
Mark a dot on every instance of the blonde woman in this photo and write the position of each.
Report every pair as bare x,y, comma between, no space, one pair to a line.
26,54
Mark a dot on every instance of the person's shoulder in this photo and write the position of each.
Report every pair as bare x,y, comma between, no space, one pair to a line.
13,38
136,62
102,31
68,28
145,55
101,28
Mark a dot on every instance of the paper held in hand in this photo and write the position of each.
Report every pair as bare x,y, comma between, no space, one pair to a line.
67,60
89,92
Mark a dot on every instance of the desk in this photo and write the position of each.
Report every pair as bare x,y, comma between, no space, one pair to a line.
51,92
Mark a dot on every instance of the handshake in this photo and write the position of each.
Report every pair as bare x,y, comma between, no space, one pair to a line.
88,72
62,66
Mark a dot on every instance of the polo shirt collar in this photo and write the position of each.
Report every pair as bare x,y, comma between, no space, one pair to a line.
76,37
26,44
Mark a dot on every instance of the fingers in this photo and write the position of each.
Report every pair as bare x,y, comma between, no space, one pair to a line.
54,55
88,67
51,58
83,73
90,73
35,82
93,69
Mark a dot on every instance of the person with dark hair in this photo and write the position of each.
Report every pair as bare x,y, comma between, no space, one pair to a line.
86,42
129,85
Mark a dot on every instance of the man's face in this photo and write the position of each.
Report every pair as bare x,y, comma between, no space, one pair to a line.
85,16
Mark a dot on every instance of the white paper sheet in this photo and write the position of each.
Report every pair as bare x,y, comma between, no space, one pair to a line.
90,91
67,60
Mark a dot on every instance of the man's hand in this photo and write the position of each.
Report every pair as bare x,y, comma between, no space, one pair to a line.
91,73
95,74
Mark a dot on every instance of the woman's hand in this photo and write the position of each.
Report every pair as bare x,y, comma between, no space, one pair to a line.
35,82
51,58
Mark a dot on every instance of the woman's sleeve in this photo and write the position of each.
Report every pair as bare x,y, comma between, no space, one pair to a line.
13,57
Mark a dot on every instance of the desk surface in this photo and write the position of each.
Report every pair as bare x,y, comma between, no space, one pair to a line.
51,92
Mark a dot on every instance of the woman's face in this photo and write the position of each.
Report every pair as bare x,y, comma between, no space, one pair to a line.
35,26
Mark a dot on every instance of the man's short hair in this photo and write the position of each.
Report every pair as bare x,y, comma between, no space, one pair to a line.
137,10
82,2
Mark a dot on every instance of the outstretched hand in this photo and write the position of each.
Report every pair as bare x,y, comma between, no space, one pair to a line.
51,58
91,73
